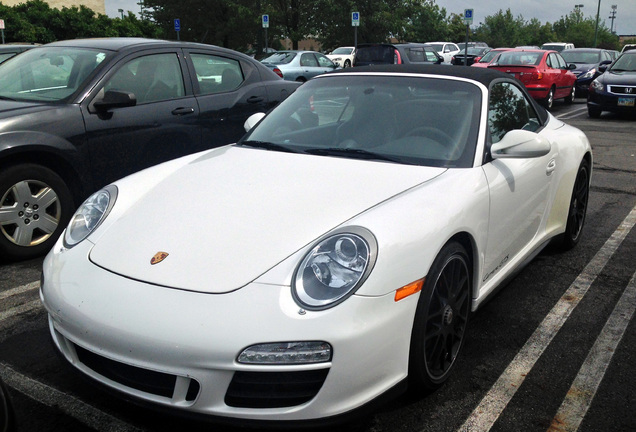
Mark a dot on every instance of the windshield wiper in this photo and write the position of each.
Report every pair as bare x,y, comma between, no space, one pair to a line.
351,152
268,146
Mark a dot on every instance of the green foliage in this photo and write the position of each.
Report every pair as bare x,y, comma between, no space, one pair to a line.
36,22
237,24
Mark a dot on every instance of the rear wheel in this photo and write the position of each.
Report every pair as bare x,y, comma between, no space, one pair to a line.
35,205
441,318
578,207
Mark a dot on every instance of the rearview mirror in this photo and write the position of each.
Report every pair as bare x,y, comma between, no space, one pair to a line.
520,144
253,120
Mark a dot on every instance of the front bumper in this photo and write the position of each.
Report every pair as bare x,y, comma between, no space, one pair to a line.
179,349
606,101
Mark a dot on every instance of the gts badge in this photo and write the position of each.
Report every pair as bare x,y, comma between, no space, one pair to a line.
496,269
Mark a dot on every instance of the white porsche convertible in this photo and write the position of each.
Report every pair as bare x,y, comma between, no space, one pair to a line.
331,256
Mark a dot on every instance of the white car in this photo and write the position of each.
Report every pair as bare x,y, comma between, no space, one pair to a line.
446,49
342,56
331,256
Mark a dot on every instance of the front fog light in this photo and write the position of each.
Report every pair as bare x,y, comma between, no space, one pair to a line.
284,353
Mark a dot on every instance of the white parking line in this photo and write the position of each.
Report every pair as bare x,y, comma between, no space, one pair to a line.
572,114
25,307
44,394
19,290
579,397
500,394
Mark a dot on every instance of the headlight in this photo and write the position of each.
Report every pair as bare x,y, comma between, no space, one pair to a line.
334,268
89,215
596,86
588,74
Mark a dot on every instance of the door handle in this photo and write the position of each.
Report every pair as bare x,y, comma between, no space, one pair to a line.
182,111
255,99
551,167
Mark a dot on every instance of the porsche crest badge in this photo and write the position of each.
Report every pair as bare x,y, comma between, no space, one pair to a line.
159,256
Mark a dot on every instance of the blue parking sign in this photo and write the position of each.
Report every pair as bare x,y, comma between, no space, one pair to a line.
177,24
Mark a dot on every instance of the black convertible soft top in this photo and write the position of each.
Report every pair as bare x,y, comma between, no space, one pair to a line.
483,75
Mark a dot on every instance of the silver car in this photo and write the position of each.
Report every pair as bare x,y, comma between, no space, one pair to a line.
299,65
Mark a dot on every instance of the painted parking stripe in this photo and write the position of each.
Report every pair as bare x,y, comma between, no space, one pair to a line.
81,411
579,397
19,290
500,394
23,308
572,114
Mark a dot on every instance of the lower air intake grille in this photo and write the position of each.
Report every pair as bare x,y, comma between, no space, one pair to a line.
274,389
144,380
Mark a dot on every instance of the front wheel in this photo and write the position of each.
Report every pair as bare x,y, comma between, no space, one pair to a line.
549,99
441,318
35,205
347,63
593,112
570,98
578,207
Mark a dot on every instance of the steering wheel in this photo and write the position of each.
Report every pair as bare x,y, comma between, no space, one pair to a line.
432,133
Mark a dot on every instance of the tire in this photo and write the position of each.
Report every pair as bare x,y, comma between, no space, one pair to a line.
578,207
593,112
301,79
441,319
549,99
347,63
35,206
570,99
7,415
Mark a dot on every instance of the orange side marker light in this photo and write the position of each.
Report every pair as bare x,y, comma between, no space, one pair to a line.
407,290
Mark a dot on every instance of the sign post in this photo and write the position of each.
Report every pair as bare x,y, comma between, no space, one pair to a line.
265,26
177,26
468,20
355,23
2,28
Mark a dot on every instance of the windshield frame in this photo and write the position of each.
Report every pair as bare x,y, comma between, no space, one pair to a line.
286,130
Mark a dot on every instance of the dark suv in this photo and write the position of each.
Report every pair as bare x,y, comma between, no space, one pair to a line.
79,114
402,53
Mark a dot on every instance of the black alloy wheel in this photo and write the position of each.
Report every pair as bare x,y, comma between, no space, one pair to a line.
578,207
441,318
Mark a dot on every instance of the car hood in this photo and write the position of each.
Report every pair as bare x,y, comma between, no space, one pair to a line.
13,108
620,78
584,67
233,214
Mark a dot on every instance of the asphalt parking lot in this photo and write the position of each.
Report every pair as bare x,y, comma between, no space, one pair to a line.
554,350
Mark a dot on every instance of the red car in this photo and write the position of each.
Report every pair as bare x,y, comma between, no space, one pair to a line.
545,74
489,57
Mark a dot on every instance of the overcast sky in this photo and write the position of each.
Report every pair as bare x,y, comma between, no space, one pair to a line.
544,10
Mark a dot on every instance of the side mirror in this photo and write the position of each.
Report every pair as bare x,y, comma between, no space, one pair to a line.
520,144
603,67
571,66
253,120
115,99
605,63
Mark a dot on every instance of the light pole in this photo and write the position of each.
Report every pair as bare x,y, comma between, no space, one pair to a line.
598,13
121,11
612,17
577,8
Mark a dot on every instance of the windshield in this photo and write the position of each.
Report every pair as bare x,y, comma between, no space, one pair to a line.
409,120
520,58
345,51
280,58
625,63
584,57
48,74
489,56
